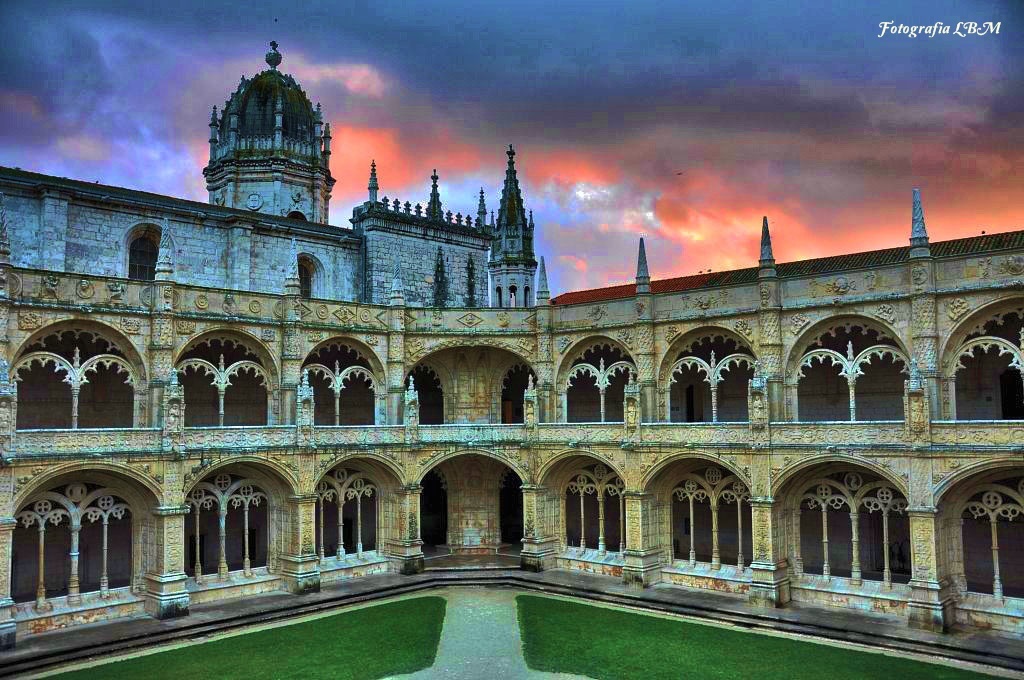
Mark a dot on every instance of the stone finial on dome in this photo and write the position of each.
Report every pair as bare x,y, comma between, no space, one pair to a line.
273,57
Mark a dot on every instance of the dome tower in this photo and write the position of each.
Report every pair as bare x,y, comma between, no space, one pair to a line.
269,148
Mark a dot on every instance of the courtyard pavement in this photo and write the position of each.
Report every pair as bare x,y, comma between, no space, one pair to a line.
480,639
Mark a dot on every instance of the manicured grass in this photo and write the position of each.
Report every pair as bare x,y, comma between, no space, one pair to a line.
386,639
567,637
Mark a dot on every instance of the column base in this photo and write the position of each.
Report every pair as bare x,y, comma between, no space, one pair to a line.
769,586
537,555
166,595
928,609
8,629
300,573
641,569
410,564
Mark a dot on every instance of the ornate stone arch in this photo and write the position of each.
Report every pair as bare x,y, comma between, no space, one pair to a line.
282,480
787,475
650,476
549,470
811,334
360,347
974,323
147,491
689,338
239,336
580,347
99,329
742,354
434,461
973,474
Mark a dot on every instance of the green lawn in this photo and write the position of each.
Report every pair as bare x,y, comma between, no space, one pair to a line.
567,637
386,639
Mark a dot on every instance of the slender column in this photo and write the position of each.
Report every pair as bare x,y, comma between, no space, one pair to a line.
716,560
583,543
74,592
739,533
602,405
600,522
997,583
622,523
321,532
199,565
714,403
855,578
74,406
359,526
798,560
886,573
246,564
341,529
337,407
222,563
220,405
693,530
41,603
104,580
825,570
853,398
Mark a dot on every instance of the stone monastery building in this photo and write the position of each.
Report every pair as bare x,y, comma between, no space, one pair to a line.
201,401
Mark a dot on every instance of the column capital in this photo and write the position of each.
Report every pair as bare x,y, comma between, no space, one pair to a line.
169,510
302,498
8,523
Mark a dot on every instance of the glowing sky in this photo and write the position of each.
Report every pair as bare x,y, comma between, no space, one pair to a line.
683,123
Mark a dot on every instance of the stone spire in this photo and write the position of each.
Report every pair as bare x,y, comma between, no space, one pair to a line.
542,282
291,283
440,281
434,206
511,214
481,211
165,257
397,298
373,186
643,276
918,233
5,237
767,258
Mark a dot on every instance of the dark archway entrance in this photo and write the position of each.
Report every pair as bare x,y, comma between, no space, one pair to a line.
510,515
434,514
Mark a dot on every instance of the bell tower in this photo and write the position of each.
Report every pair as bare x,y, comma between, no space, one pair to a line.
512,266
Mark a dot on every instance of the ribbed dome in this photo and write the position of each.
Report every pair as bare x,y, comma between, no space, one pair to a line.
255,102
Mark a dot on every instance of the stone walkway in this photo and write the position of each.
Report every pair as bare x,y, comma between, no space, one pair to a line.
480,639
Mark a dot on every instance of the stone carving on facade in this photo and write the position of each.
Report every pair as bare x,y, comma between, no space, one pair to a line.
1012,264
797,323
840,285
29,321
919,276
85,289
131,325
886,313
185,326
957,308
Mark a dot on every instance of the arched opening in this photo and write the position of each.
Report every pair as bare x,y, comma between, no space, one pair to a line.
71,540
143,251
851,371
344,386
986,367
594,386
431,396
497,295
846,526
594,511
513,387
74,378
434,514
306,274
511,511
225,383
512,300
527,299
297,215
708,380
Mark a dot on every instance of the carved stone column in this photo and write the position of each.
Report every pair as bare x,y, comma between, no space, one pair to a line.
931,599
407,548
166,592
539,545
642,554
396,363
644,353
769,348
7,627
300,565
770,581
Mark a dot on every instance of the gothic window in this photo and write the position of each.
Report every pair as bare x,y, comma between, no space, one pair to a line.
526,297
498,295
142,254
305,278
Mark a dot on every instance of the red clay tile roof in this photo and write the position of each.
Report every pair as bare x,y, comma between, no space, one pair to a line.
835,263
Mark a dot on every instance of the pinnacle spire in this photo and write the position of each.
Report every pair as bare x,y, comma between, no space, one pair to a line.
918,232
373,186
291,282
165,253
511,214
542,282
643,275
767,258
481,209
440,281
434,206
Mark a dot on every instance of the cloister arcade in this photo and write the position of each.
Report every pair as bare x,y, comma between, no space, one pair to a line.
228,380
704,377
591,388
347,387
984,366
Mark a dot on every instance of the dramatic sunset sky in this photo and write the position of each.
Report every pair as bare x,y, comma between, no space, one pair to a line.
680,122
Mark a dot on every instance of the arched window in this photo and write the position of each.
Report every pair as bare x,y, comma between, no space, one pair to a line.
296,215
526,297
305,278
511,296
142,254
498,295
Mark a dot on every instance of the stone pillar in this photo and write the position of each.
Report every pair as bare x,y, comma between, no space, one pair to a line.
291,361
931,599
769,347
539,547
770,582
166,592
7,627
407,548
642,555
396,359
300,566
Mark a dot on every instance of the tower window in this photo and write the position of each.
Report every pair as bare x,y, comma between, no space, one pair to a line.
142,254
511,296
296,215
305,278
498,296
